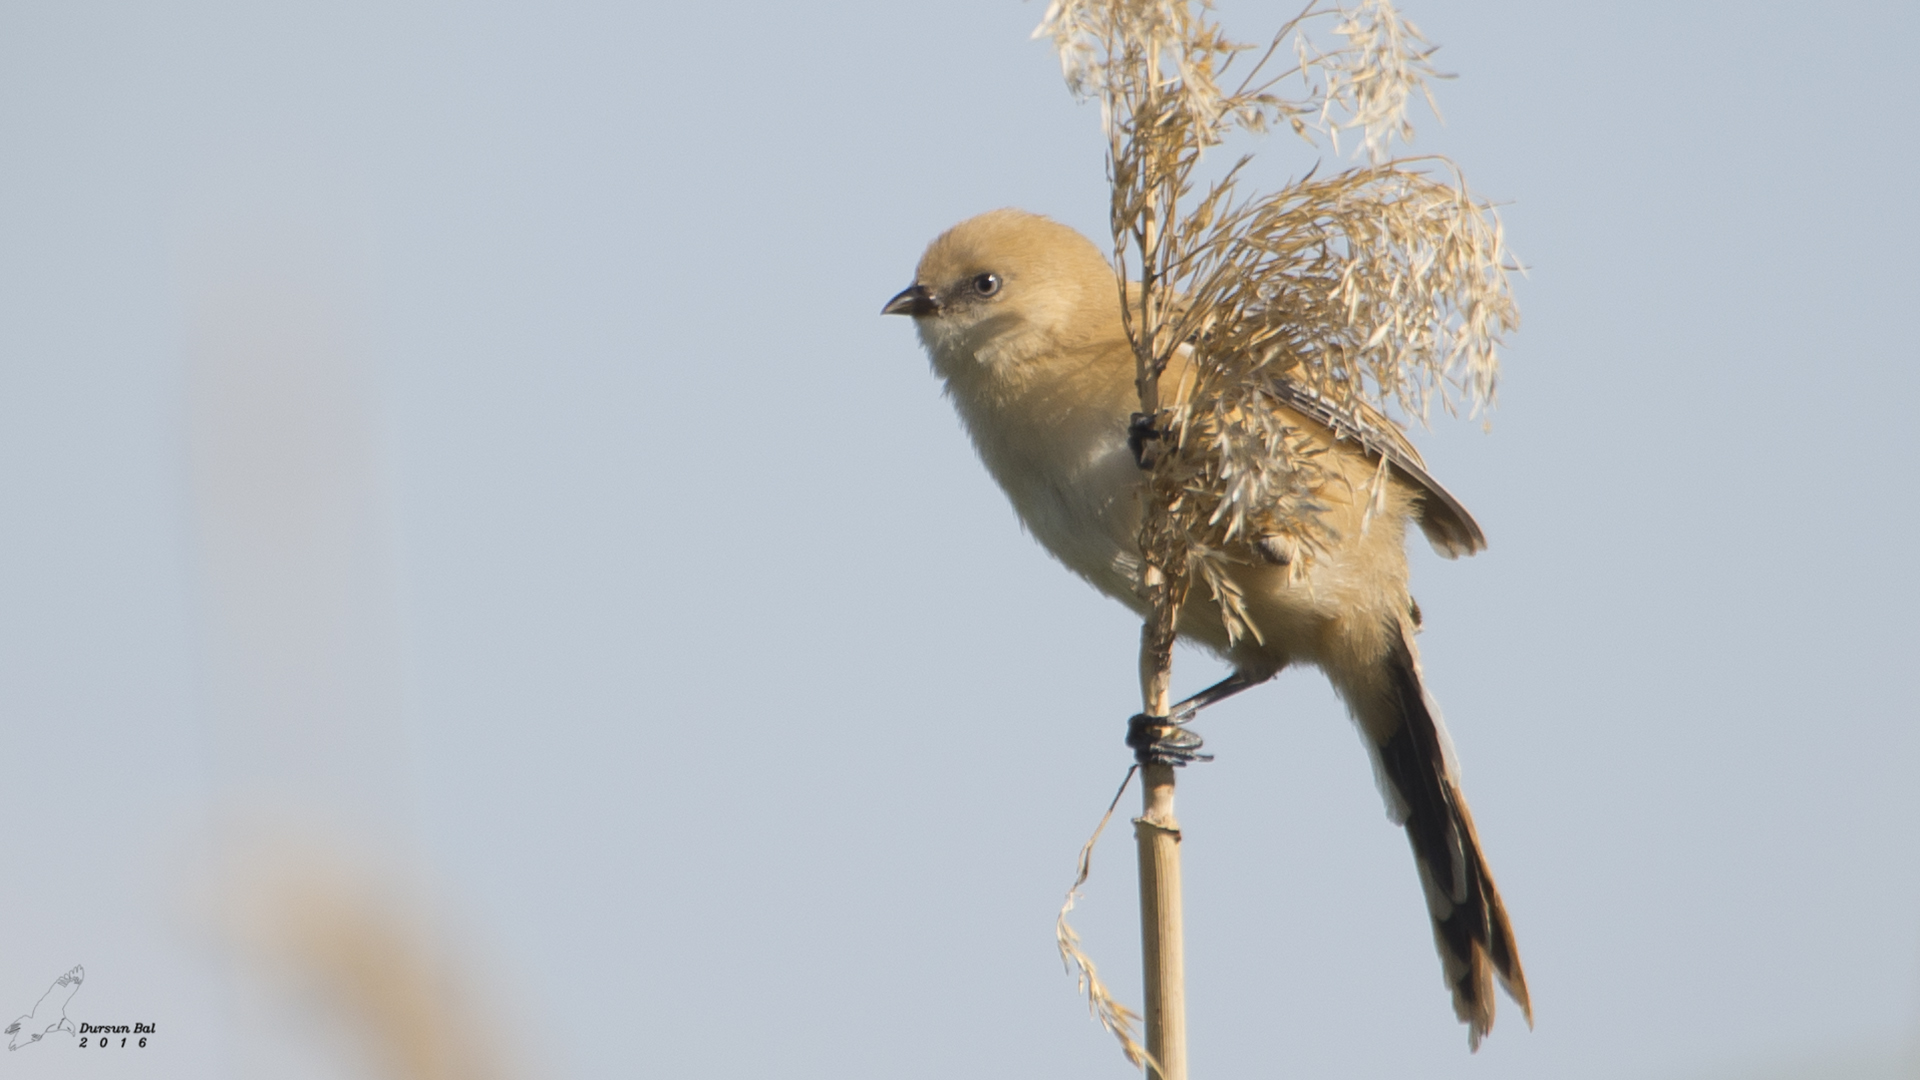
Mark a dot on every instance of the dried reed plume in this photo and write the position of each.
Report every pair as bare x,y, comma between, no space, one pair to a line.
336,935
1382,285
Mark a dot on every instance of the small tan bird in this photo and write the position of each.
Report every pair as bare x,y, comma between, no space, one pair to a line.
1021,317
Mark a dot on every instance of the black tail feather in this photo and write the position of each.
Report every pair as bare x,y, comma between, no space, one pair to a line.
1470,925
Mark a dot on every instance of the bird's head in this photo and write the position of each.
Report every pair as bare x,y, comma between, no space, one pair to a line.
1007,290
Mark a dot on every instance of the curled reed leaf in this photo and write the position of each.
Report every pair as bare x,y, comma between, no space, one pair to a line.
1106,1009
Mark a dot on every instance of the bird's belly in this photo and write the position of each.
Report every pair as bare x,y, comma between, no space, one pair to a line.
1080,496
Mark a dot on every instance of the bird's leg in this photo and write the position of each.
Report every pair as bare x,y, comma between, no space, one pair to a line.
1165,740
1214,695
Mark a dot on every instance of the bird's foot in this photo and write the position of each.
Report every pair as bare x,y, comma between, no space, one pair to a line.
1160,740
1141,432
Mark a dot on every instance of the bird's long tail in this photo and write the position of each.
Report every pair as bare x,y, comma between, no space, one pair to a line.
1414,759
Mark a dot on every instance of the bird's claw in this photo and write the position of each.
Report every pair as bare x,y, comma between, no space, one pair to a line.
1140,432
1160,740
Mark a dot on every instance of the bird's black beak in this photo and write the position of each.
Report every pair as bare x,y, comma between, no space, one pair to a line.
912,300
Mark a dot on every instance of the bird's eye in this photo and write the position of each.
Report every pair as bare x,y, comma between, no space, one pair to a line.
986,284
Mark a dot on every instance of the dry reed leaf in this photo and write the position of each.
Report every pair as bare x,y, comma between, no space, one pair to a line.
1107,1010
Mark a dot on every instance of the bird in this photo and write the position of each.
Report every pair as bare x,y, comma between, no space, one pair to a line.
1021,320
32,1027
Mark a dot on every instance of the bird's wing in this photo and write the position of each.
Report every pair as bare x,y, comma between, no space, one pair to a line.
1449,528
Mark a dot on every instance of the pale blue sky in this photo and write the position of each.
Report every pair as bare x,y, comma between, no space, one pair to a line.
694,661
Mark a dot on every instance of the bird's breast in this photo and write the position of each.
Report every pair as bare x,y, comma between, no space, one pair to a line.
1074,484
